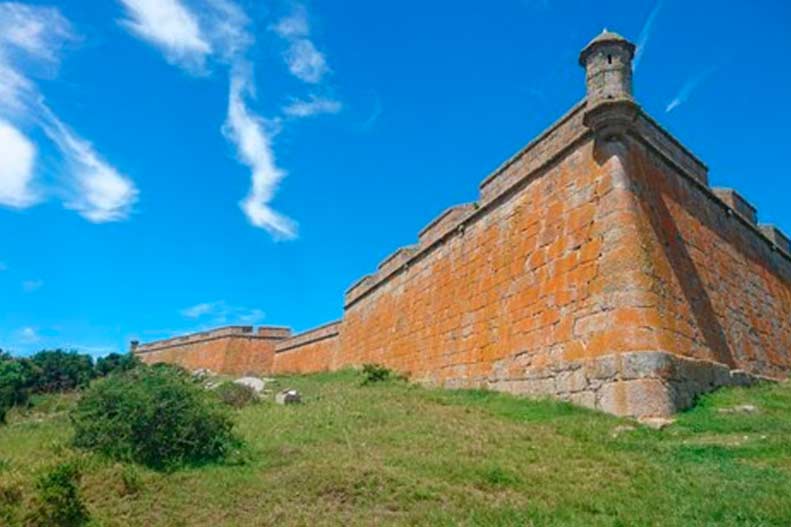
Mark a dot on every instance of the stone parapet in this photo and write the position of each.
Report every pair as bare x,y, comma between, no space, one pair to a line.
396,260
648,130
776,237
543,149
329,330
737,203
264,332
450,219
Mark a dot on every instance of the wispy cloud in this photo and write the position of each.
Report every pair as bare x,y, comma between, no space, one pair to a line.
376,112
172,27
689,87
312,106
645,34
198,310
31,286
303,59
247,131
99,192
220,312
28,335
17,165
32,37
193,34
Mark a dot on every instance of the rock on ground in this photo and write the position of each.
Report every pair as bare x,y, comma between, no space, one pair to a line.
288,397
256,384
740,409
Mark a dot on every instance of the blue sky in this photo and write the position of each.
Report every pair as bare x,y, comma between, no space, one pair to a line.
172,165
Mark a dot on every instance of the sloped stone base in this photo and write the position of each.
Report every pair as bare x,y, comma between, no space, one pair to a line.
639,384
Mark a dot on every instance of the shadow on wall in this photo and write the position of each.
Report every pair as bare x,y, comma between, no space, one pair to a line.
651,197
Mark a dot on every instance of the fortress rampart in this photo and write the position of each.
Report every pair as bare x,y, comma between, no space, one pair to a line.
598,266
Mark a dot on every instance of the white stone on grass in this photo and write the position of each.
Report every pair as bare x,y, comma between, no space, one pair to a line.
254,383
288,397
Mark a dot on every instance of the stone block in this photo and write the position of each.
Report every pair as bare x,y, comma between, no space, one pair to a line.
636,398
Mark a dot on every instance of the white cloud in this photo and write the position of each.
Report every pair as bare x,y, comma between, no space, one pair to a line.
293,26
29,37
645,34
30,286
32,34
17,164
198,310
689,87
99,193
304,61
29,335
171,26
313,106
227,27
192,32
38,31
253,144
220,312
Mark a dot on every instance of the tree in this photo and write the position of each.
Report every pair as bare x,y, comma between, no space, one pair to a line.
116,362
60,371
17,377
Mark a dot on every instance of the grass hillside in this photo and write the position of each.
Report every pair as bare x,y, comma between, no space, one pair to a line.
396,454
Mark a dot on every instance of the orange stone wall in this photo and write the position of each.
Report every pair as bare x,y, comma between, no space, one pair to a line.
723,291
228,350
309,352
597,267
548,273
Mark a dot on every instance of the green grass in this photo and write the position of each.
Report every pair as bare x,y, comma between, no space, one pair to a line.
396,454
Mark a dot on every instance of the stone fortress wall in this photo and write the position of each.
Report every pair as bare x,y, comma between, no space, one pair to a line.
598,266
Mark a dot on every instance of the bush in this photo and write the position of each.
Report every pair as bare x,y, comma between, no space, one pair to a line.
236,395
59,498
374,373
17,377
155,416
60,371
116,362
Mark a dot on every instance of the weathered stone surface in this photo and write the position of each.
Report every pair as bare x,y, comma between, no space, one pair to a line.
636,398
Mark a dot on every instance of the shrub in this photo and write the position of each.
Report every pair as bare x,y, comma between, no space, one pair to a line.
374,373
17,377
155,416
59,498
116,362
59,371
236,395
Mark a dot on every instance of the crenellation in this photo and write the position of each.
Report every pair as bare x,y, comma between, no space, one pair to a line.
395,260
450,219
325,331
777,237
737,203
